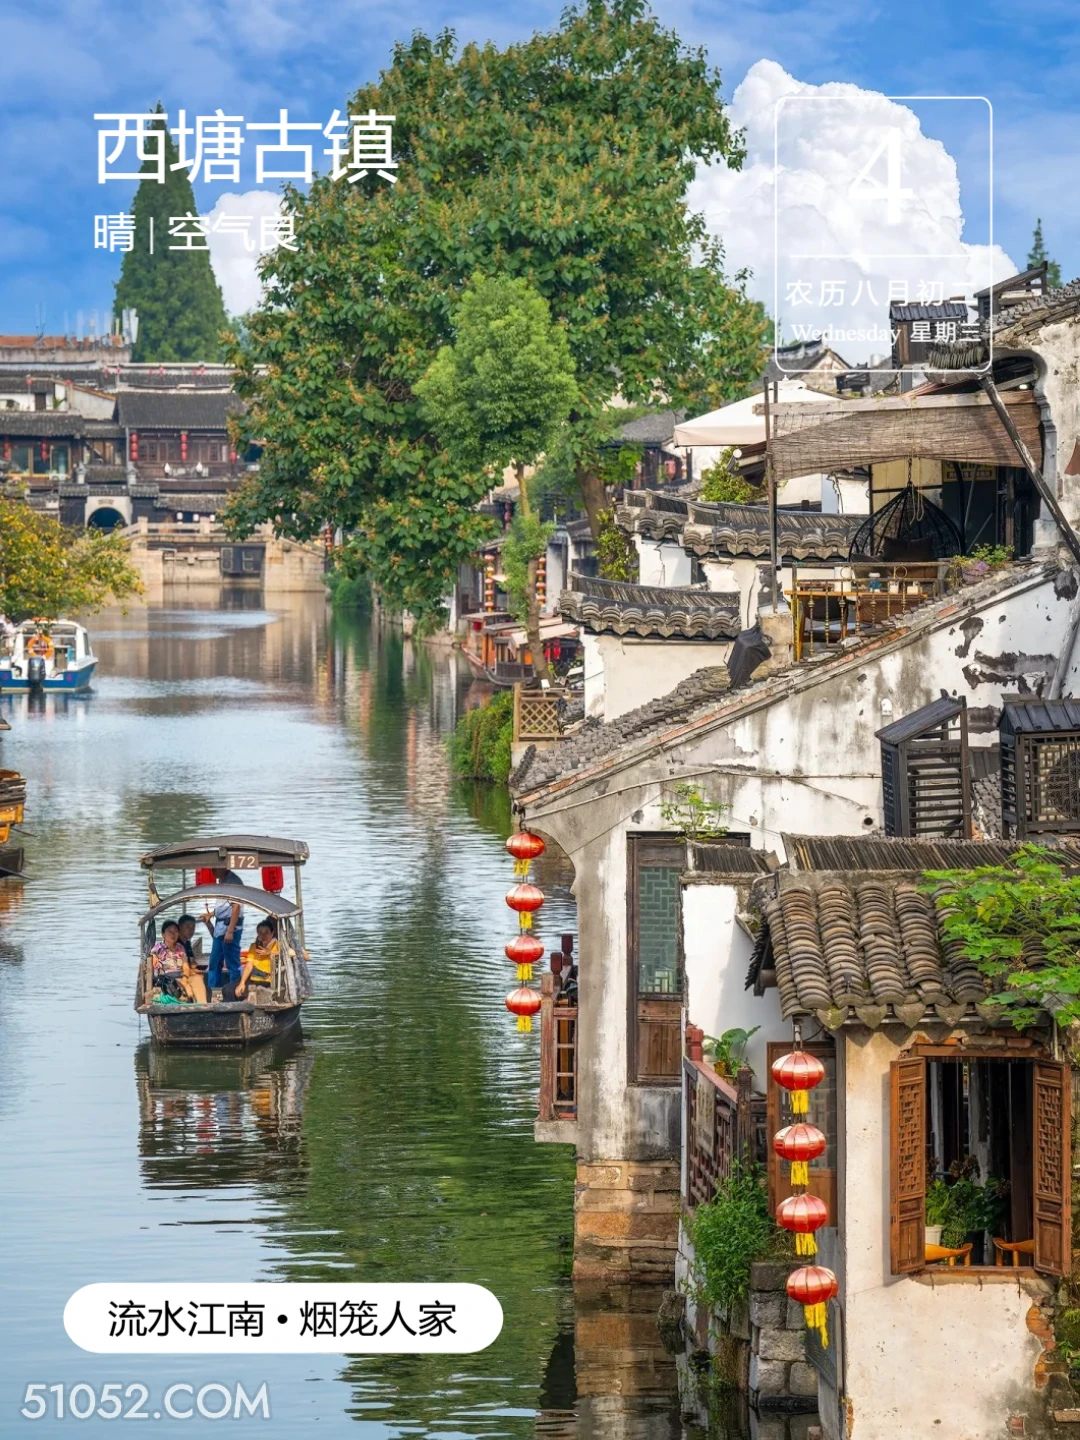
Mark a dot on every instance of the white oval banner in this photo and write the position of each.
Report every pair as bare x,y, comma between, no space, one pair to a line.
379,1319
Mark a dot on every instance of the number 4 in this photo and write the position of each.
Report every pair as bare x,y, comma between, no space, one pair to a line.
891,192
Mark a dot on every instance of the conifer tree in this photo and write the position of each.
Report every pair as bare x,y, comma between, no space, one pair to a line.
180,309
1038,255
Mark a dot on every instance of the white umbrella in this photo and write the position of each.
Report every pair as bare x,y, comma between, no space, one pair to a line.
737,424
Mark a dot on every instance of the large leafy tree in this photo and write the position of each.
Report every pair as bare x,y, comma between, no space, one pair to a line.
47,570
499,396
563,160
181,312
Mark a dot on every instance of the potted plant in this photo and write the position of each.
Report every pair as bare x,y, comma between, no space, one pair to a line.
937,1211
964,1209
728,1051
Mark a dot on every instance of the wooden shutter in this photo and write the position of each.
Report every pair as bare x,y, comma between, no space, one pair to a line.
1052,1131
907,1154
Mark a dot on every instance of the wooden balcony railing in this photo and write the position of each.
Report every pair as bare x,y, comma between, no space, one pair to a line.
719,1123
826,612
536,715
558,1054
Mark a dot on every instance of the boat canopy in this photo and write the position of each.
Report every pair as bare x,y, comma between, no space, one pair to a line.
270,904
213,853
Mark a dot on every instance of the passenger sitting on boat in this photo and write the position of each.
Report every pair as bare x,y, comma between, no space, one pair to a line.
192,949
172,972
259,959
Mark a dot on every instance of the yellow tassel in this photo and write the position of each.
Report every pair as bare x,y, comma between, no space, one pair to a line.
805,1245
524,1022
524,972
521,867
525,918
815,1320
800,1102
800,1172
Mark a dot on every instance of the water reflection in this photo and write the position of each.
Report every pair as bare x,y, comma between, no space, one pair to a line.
214,1118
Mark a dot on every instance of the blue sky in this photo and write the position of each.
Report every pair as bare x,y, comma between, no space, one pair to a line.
253,56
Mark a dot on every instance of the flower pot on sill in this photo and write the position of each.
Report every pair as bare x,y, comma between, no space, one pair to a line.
933,1234
721,1068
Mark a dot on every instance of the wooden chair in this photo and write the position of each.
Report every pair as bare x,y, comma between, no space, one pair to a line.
936,1253
1014,1248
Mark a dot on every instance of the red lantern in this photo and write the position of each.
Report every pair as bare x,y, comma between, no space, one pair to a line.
204,877
524,951
525,845
798,1072
812,1287
525,898
799,1144
802,1215
183,446
524,1003
273,878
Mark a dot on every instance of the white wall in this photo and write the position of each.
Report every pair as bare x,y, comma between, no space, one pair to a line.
953,1360
844,497
662,564
717,956
622,673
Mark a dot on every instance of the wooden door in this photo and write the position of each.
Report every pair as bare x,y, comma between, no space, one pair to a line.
654,955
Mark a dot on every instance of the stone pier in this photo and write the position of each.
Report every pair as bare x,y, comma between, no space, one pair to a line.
626,1221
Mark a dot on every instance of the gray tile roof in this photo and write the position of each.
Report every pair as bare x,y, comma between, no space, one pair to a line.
693,696
1027,314
31,423
176,409
864,950
650,610
736,530
946,310
655,429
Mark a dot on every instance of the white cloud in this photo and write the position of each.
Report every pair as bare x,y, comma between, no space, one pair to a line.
823,147
234,253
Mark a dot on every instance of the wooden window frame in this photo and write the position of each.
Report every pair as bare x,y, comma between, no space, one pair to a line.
636,845
1051,1200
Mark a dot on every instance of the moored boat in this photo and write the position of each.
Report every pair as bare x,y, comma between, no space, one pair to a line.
47,655
216,865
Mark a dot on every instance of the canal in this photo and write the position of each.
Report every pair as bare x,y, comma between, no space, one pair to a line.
393,1141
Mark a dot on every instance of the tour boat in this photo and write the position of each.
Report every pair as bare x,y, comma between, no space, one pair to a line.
47,655
255,878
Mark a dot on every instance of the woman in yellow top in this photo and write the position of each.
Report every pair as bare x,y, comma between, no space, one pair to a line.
258,960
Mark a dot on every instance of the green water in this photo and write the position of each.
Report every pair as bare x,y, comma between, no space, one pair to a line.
393,1141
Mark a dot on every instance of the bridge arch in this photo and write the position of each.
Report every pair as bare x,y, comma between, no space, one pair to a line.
107,512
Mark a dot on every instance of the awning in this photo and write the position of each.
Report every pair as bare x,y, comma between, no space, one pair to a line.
930,427
739,423
549,630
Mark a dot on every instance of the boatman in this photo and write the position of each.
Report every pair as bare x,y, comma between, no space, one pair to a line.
226,926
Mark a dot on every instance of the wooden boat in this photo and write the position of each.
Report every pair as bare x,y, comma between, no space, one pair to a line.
265,1014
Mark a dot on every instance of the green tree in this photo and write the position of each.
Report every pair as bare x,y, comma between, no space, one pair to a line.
563,159
179,304
1038,256
1020,925
499,396
47,570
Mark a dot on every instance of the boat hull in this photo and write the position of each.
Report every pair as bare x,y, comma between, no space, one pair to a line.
238,1024
68,682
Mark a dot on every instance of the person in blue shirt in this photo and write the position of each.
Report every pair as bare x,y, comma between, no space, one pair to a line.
226,925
